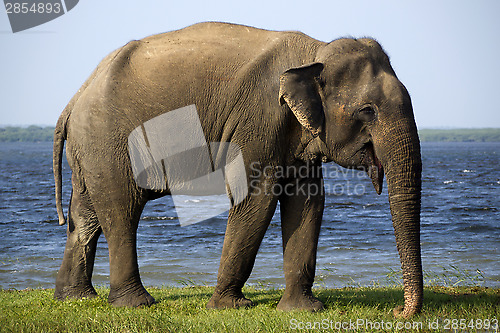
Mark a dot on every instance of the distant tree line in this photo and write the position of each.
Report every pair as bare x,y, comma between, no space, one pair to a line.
26,134
460,135
38,134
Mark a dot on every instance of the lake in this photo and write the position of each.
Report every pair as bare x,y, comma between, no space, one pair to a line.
460,227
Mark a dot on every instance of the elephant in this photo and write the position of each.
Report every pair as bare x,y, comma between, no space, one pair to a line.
286,100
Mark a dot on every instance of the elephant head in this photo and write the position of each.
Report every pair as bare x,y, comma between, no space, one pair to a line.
359,115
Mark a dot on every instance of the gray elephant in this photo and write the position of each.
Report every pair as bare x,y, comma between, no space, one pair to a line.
287,101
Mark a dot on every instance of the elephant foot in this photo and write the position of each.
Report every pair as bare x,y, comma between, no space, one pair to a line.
300,301
228,301
130,297
63,293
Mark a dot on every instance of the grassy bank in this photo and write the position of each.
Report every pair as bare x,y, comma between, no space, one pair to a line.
183,310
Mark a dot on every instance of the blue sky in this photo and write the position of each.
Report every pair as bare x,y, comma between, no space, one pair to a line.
447,53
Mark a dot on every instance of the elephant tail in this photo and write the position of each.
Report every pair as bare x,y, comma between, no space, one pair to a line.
59,138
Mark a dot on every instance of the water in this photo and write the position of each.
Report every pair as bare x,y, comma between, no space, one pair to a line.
460,227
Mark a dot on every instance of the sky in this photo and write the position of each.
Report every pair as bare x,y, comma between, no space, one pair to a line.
447,53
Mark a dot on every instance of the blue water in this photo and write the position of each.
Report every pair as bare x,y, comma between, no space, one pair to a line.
460,227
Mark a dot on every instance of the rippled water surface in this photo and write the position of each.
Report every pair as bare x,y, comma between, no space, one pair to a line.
460,227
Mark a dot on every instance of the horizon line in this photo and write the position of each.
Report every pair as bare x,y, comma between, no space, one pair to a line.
421,128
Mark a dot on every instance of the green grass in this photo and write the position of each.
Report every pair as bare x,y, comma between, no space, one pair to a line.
183,310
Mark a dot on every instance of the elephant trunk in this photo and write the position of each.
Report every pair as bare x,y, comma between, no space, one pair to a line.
403,166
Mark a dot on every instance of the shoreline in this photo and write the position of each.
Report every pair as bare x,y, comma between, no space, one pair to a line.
35,133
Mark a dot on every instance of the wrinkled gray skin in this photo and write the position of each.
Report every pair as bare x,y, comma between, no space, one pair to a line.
284,98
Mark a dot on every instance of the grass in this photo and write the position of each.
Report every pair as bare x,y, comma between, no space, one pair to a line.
183,310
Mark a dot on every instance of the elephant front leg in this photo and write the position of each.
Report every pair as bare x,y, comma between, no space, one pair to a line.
74,276
245,230
301,213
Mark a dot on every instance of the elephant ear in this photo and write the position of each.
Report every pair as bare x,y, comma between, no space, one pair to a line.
299,89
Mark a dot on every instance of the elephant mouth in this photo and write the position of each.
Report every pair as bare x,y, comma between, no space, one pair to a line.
375,170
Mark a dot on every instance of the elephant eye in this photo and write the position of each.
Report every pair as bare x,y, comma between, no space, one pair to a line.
366,114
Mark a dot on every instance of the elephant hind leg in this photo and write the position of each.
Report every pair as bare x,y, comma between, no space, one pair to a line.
119,213
75,274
